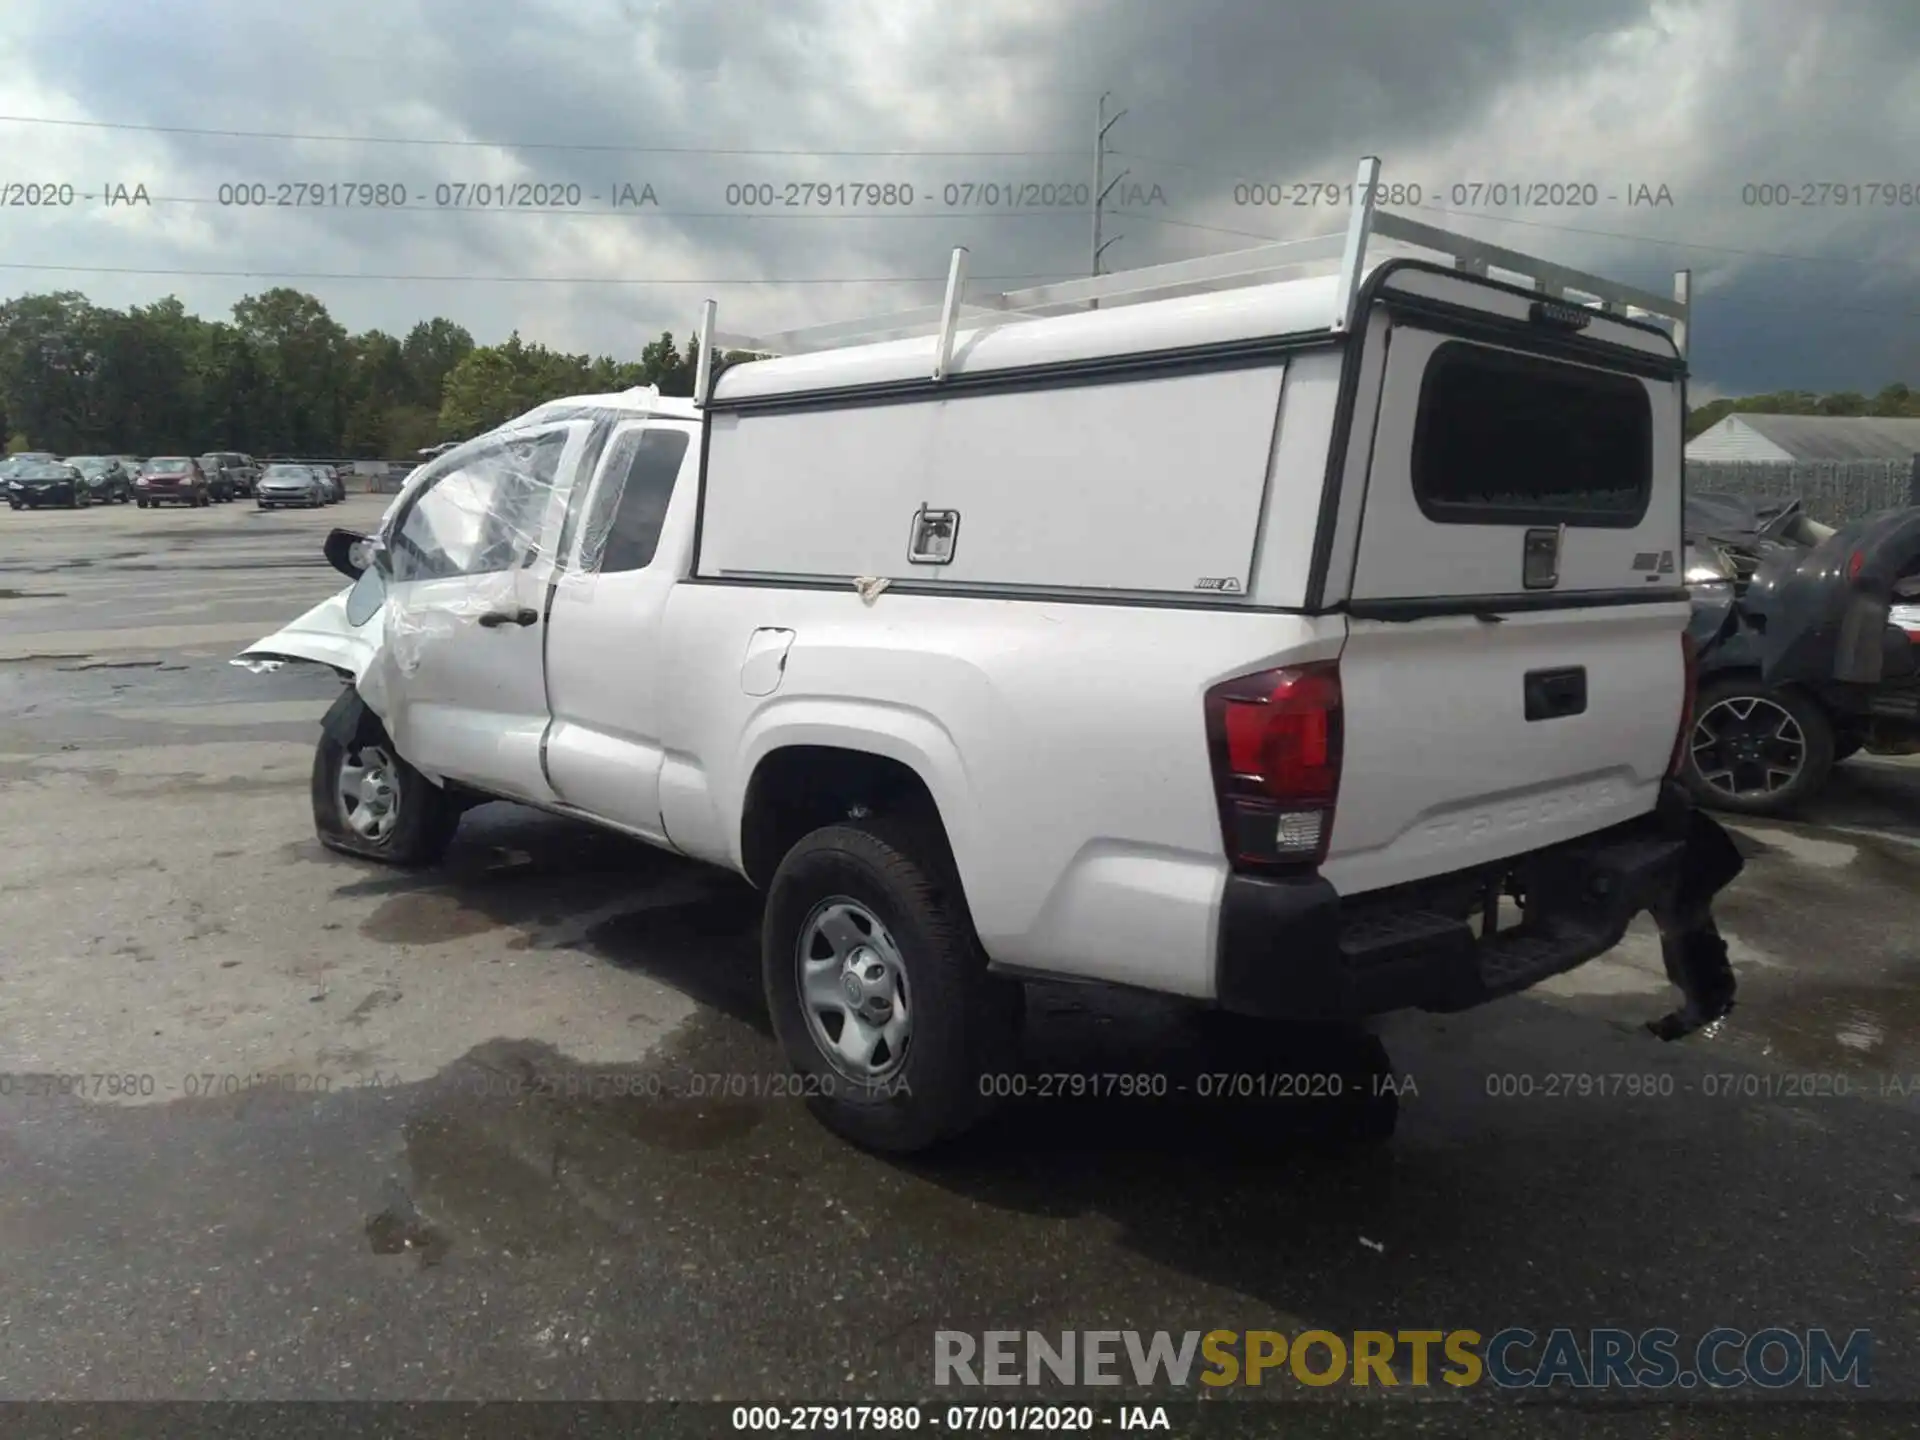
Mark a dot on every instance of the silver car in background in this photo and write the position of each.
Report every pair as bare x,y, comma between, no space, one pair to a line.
281,485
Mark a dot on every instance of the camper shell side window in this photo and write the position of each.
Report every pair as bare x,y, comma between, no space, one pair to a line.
1504,438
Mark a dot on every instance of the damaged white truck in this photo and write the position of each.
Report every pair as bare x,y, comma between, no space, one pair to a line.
1306,648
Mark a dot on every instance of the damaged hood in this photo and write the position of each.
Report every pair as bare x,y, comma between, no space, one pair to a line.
343,632
1833,611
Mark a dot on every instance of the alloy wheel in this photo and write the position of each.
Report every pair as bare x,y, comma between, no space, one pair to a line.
1748,746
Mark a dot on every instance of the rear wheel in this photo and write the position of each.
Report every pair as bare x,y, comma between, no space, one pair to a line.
1757,749
369,802
878,987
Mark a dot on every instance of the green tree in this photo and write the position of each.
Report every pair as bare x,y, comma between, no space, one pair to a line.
479,393
303,352
431,350
47,365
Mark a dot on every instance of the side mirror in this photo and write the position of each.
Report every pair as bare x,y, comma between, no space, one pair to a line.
349,552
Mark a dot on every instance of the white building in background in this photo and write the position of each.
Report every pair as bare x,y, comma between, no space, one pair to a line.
1784,439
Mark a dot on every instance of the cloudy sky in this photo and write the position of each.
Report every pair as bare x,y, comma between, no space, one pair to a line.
962,101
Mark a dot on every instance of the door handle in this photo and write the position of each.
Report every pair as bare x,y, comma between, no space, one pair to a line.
1552,694
493,619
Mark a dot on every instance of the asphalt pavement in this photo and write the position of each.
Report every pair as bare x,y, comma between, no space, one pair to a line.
275,1124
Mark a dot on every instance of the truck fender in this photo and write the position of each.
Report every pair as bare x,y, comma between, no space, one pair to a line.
894,732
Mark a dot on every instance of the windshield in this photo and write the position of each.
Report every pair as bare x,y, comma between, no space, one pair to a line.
89,464
168,467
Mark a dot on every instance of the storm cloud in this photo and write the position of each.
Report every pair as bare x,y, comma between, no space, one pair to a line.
680,101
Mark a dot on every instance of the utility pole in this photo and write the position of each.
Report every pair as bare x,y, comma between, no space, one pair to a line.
1102,187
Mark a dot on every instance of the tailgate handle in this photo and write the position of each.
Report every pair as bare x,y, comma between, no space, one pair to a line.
1554,693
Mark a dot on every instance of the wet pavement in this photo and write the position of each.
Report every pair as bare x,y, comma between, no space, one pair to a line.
515,1127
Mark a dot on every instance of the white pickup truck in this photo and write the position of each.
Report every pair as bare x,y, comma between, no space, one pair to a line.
1247,646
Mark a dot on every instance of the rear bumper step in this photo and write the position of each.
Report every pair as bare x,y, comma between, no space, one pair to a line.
1294,948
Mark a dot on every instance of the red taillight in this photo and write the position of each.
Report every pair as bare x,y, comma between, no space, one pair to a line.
1690,663
1855,563
1275,740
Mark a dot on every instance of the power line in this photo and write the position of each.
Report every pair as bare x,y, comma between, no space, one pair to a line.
499,144
624,212
519,279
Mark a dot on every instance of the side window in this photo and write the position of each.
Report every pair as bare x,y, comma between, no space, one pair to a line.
482,515
630,505
1509,439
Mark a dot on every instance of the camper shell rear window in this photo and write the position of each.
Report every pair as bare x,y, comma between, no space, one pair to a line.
1503,438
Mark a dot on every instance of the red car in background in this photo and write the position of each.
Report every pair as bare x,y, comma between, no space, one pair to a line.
172,480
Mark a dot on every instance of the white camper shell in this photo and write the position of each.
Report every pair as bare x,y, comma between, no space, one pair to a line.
1237,639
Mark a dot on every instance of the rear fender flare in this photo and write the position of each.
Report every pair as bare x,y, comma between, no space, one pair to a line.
893,732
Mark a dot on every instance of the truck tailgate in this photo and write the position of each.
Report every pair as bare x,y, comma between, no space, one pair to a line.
1444,768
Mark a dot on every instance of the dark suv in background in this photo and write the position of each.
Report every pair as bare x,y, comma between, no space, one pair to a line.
227,477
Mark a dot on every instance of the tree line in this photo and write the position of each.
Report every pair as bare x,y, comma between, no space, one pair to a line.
281,377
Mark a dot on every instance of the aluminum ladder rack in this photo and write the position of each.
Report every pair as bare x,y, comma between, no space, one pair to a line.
1343,253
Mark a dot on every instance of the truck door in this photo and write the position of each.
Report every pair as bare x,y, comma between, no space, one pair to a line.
1514,672
604,754
470,557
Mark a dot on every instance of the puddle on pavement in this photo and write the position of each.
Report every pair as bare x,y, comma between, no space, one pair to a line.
426,918
1871,1029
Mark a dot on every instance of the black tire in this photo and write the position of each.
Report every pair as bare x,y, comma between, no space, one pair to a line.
1846,745
1749,762
427,816
965,1022
141,503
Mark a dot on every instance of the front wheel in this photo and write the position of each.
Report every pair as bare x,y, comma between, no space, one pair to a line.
1757,749
878,988
369,802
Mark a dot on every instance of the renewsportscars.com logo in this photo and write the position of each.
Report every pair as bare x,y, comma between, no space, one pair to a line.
1775,1358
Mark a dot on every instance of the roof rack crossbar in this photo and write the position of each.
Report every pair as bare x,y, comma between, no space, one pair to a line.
1260,264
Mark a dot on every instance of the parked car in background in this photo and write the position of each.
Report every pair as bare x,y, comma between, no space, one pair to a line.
1809,647
241,470
284,485
131,464
35,457
225,480
107,479
47,482
172,480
